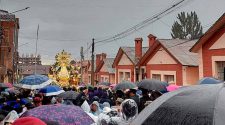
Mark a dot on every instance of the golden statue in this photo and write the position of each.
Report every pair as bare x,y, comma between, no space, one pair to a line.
63,72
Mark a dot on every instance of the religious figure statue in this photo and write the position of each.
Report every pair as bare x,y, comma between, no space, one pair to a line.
63,72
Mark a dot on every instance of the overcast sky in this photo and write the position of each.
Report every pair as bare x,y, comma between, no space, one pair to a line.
70,24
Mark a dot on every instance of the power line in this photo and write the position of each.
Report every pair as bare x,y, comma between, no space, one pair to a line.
141,25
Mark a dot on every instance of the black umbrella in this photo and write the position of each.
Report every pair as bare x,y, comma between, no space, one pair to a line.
105,83
125,85
151,84
209,80
194,105
70,95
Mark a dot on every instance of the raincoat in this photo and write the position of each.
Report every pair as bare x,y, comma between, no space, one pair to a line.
98,110
128,113
85,106
11,117
103,118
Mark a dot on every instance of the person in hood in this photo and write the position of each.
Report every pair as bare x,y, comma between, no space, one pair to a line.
95,109
104,118
10,118
129,111
145,97
134,96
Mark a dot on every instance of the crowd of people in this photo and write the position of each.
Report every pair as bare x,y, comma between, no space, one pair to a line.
104,105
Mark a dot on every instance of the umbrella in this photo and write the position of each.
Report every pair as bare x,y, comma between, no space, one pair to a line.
34,82
68,95
29,121
12,91
152,85
3,85
125,85
105,83
172,87
9,85
209,80
193,105
51,90
89,86
61,114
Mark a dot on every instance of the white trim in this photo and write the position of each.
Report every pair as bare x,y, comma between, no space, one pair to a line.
54,93
214,59
184,74
163,73
200,64
25,86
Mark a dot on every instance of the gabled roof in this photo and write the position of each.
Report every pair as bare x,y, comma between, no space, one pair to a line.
6,16
218,25
177,48
130,53
180,50
108,62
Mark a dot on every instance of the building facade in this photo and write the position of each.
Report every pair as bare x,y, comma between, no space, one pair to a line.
9,25
169,60
104,70
211,50
26,66
126,60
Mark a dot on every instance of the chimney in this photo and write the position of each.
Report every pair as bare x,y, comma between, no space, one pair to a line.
138,47
151,40
99,58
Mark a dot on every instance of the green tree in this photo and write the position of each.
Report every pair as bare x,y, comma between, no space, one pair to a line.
188,26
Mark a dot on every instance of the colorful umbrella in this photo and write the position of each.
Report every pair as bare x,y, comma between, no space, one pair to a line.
28,121
34,82
193,105
9,85
61,114
172,87
125,85
51,90
3,85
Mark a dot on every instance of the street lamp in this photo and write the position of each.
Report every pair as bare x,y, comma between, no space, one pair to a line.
20,10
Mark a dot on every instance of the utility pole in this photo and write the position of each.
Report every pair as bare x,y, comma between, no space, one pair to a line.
35,66
92,61
81,62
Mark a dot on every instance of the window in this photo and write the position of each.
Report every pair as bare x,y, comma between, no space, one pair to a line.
102,79
220,66
127,76
169,78
89,79
106,79
121,77
156,77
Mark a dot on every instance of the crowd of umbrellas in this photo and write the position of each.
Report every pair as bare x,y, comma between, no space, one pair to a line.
200,104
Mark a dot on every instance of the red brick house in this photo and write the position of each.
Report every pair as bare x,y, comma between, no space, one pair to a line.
85,71
211,50
8,46
169,60
104,70
126,60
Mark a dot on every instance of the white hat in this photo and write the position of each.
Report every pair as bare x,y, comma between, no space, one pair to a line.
107,110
